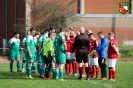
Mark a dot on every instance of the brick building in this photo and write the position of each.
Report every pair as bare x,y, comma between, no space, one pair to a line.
97,15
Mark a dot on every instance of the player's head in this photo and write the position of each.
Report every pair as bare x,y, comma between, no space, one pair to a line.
110,35
16,34
37,34
72,34
88,32
52,29
46,31
51,35
62,30
81,30
100,34
32,31
28,32
91,36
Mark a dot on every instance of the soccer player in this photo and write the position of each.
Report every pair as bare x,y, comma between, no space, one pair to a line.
24,51
102,54
49,53
81,44
40,51
75,64
30,47
14,46
37,34
68,66
113,54
60,53
94,56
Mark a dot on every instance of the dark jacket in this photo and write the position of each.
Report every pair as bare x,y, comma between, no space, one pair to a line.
81,42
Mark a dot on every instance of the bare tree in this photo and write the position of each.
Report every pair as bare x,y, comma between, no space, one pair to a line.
47,13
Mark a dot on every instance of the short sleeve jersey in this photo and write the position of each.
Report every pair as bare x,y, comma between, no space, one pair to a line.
94,45
68,44
42,39
23,41
14,44
30,43
111,52
59,44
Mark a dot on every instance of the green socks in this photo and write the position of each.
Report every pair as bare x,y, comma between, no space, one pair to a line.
34,67
56,74
38,68
61,73
11,66
23,65
53,71
29,71
18,66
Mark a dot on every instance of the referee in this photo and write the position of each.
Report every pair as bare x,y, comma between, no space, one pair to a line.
82,45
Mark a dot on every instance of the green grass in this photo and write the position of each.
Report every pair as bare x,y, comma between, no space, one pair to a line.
18,80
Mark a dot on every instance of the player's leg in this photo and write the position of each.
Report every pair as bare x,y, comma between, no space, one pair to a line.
23,62
83,69
18,61
11,65
29,70
29,62
53,66
23,65
57,71
93,69
61,71
90,67
67,67
113,69
97,67
85,59
110,69
12,58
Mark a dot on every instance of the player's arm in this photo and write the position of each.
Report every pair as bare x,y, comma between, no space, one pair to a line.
10,43
27,46
104,42
74,44
116,49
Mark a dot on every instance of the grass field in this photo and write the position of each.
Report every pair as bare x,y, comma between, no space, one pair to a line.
18,80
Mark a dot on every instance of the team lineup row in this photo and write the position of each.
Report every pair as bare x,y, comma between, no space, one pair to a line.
78,53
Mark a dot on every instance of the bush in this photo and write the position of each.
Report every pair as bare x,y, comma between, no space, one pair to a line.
126,51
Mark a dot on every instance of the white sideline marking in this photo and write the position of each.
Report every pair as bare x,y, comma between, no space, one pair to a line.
106,85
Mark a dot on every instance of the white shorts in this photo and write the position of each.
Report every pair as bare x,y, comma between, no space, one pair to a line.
112,62
91,61
70,56
94,61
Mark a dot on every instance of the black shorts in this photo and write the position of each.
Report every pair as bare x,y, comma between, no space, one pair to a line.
82,55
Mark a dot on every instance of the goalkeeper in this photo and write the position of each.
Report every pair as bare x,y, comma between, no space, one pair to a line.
48,46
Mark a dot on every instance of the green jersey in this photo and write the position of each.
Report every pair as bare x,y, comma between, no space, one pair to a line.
30,42
14,44
59,44
60,49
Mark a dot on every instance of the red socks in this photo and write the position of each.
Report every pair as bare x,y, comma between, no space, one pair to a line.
70,68
97,71
75,68
90,71
67,68
93,72
112,74
83,69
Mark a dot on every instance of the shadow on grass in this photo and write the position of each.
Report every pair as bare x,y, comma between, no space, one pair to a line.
14,75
